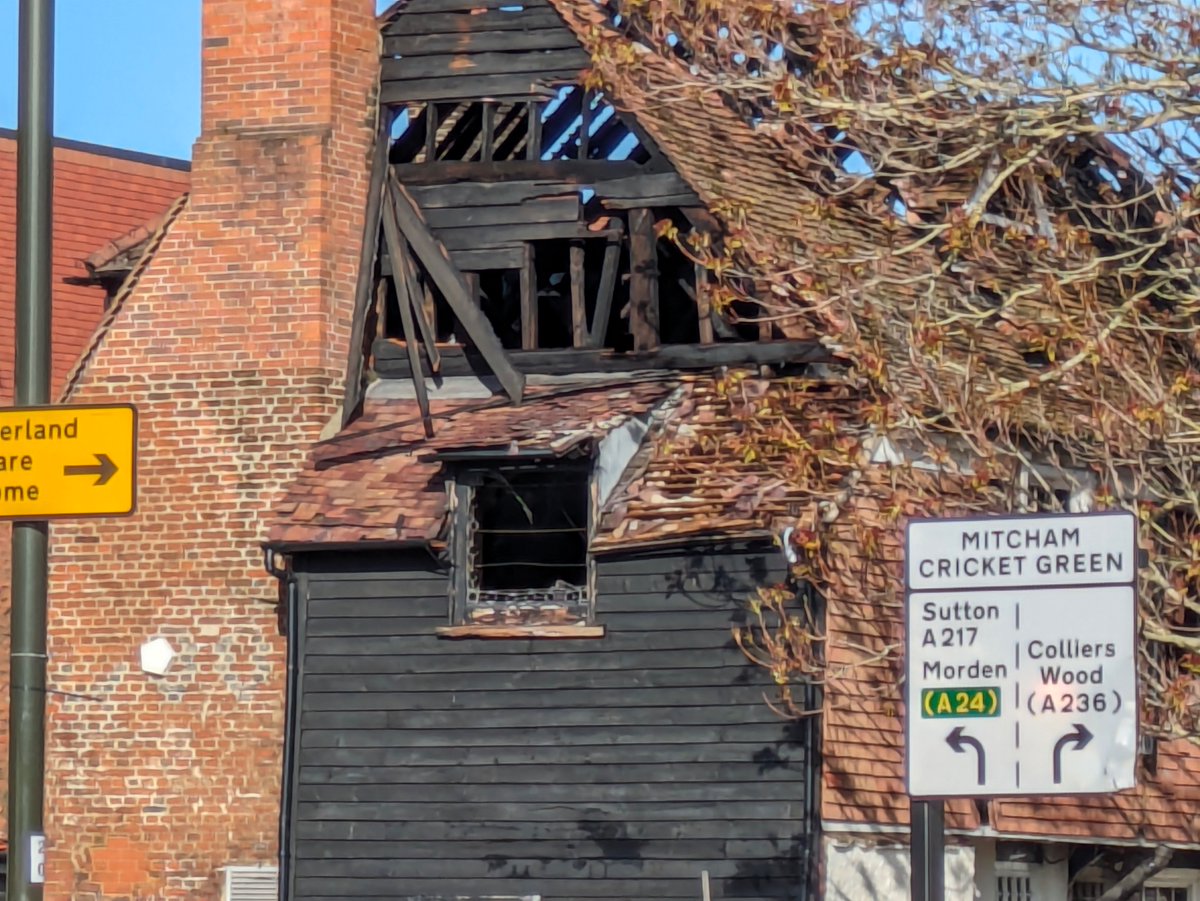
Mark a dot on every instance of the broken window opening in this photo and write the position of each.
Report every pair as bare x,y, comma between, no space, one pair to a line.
526,549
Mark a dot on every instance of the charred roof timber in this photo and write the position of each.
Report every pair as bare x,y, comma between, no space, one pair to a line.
524,223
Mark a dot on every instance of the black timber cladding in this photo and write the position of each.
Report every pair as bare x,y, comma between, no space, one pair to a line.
619,767
480,49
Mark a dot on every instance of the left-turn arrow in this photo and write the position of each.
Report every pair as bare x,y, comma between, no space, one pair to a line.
958,742
104,469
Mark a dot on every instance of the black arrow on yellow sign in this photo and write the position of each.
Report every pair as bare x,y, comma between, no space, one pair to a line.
103,470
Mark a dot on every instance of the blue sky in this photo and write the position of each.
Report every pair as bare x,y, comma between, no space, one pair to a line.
127,72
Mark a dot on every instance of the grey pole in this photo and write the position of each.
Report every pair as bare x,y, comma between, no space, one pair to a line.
928,850
27,684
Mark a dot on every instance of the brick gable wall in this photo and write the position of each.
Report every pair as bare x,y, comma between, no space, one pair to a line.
233,349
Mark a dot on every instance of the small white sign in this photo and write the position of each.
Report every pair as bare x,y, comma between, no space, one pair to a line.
37,859
1007,552
1022,690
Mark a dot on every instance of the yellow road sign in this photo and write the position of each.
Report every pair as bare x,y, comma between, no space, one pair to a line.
67,461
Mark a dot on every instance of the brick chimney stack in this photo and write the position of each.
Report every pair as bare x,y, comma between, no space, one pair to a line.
232,346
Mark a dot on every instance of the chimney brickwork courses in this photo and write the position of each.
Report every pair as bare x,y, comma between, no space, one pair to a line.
233,349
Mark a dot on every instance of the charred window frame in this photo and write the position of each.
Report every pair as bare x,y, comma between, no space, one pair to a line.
519,545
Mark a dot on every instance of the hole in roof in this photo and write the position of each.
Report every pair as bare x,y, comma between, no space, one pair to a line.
854,163
1039,359
989,297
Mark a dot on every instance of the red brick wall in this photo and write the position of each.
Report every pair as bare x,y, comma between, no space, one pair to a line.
233,349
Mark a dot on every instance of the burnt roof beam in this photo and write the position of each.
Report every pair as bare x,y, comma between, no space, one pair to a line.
449,280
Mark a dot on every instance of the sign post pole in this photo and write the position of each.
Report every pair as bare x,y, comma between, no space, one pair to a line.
27,683
928,853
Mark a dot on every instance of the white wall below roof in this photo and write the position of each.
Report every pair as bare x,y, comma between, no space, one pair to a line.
857,871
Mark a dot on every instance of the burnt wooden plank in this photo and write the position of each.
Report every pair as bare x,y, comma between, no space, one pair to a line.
390,362
764,756
659,200
487,145
493,19
606,289
552,209
427,7
483,660
561,848
431,132
579,325
453,287
643,282
493,868
749,889
427,830
366,646
529,298
423,311
424,7
476,87
512,775
491,194
502,257
389,599
474,64
397,620
770,735
533,143
704,696
553,38
537,812
484,236
406,302
352,392
588,173
539,718
703,294
651,188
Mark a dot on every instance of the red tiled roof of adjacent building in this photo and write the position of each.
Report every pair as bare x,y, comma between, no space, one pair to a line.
99,194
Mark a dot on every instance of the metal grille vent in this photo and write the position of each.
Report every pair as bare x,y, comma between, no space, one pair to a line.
1014,888
251,884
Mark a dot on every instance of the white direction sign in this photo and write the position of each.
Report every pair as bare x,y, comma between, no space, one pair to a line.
1018,686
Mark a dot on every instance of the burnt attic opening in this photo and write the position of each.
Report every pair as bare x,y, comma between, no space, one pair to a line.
575,124
560,293
531,530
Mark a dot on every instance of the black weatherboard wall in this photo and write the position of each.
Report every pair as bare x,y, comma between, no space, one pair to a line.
617,768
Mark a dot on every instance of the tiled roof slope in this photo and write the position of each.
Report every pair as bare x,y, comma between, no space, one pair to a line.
763,189
99,193
379,479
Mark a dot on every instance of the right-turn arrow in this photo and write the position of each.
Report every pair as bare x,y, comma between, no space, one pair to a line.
1081,736
958,742
104,469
